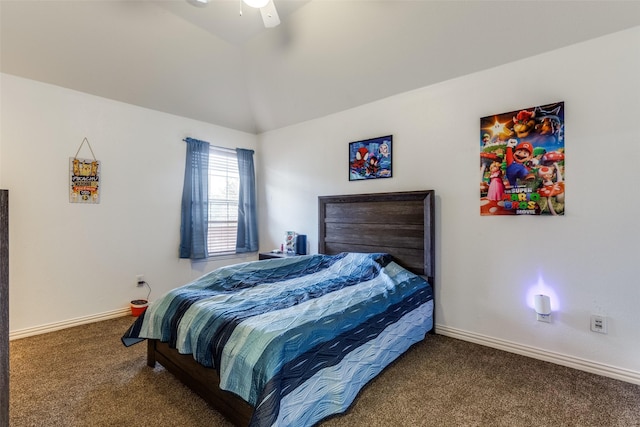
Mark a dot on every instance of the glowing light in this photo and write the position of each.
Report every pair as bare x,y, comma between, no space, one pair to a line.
541,287
256,3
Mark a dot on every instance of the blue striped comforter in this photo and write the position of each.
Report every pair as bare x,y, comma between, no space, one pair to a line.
295,337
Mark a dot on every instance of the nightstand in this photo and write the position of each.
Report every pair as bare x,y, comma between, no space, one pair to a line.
271,255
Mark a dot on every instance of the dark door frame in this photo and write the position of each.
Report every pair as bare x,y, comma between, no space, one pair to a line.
4,307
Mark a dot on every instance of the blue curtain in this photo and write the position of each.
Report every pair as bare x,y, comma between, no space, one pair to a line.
247,238
195,201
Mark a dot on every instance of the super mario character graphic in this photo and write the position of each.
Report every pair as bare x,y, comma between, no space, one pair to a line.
370,158
522,162
518,154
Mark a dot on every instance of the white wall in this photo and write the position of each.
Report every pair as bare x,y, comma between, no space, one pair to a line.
486,266
72,261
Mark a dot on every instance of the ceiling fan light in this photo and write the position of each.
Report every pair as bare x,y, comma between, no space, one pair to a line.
256,3
198,3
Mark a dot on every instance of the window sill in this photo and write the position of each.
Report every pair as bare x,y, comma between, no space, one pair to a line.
227,256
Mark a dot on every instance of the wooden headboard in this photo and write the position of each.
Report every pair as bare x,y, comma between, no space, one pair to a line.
401,224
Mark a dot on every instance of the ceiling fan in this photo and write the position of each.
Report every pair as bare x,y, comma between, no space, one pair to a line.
267,10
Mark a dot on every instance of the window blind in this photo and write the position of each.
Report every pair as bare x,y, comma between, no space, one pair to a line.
224,182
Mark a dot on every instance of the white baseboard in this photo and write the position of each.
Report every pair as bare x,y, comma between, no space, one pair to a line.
537,353
43,329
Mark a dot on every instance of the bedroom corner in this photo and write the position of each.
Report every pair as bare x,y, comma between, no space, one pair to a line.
77,262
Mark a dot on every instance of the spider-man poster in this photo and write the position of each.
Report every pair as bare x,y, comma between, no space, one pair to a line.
522,162
370,158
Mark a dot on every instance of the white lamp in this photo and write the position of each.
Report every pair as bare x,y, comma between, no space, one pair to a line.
256,3
542,304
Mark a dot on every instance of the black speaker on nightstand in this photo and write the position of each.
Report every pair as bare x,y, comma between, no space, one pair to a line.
301,244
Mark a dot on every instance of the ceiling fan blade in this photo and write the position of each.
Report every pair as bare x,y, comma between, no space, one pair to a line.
270,15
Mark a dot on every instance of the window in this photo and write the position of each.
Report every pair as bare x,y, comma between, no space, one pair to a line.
224,183
218,210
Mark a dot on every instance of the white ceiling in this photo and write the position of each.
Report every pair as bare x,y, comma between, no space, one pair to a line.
213,65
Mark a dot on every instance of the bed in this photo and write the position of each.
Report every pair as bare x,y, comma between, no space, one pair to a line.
388,238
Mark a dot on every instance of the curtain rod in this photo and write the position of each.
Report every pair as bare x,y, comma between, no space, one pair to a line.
230,150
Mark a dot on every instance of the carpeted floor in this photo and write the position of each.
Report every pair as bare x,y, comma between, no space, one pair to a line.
84,376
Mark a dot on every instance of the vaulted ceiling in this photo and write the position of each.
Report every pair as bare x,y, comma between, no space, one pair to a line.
213,65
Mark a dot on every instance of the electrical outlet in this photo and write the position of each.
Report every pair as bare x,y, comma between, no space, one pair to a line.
139,280
543,318
599,324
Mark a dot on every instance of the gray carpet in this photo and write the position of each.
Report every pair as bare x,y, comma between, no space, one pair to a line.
84,376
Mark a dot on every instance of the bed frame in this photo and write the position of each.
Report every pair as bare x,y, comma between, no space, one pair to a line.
401,224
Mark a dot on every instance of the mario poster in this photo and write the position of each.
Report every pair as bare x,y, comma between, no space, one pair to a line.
522,162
